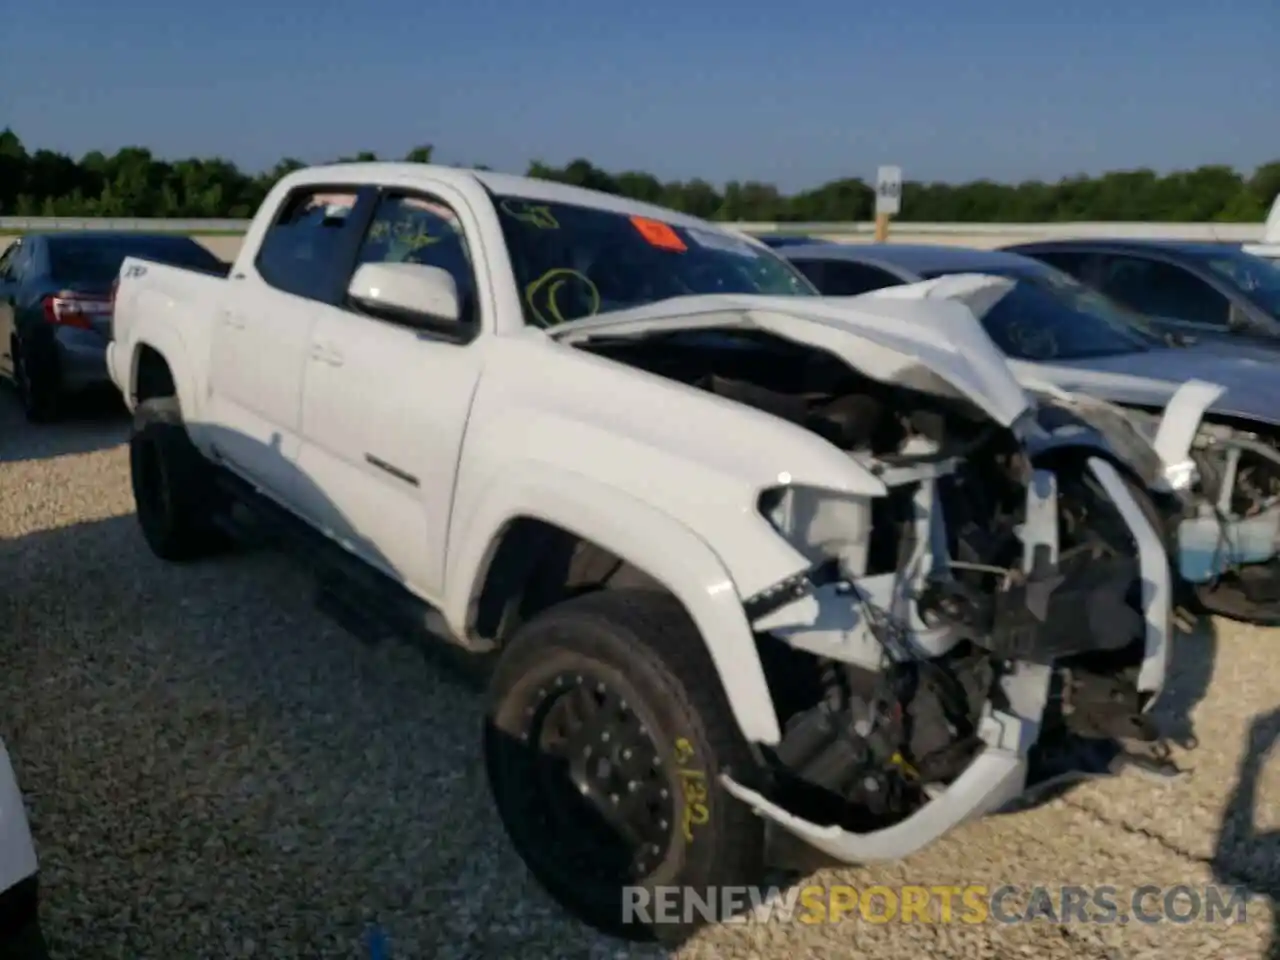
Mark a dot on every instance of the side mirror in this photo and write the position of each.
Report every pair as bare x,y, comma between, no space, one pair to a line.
409,293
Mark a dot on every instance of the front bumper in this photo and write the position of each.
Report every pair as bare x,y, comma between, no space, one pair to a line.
999,773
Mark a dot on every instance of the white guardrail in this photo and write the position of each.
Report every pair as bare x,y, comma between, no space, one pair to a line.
1229,232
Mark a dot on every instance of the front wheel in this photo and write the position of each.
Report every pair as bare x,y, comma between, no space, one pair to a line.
606,734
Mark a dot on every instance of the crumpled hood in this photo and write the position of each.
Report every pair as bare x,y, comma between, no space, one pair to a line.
936,347
1152,377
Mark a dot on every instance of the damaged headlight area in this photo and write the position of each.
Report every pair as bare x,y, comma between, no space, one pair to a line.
997,618
984,629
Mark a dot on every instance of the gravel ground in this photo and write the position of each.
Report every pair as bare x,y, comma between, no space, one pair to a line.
215,770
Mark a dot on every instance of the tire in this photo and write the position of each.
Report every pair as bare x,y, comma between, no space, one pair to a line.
36,385
638,656
174,486
21,937
27,943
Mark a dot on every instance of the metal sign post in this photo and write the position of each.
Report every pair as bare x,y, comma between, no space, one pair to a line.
888,199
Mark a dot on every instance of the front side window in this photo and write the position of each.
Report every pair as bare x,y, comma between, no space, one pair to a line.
409,228
1161,289
572,261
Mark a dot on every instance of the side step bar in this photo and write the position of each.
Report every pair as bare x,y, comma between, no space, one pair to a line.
364,601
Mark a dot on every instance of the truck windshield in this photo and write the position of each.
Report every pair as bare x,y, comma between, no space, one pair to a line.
1049,316
572,261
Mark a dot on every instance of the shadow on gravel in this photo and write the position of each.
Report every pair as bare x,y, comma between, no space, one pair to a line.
90,422
1246,856
213,769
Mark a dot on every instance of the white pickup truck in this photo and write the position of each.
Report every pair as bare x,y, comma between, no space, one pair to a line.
745,557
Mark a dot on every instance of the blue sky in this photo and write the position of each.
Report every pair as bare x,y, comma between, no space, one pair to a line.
789,92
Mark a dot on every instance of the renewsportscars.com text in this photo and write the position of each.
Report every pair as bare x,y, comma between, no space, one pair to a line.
973,904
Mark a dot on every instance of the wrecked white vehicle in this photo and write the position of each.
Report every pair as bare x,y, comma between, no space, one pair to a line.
745,555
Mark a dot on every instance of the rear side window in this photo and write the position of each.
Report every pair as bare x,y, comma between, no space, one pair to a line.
1071,262
95,261
13,262
303,251
846,279
813,270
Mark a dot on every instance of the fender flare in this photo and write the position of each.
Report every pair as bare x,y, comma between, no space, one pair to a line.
1154,561
652,540
167,342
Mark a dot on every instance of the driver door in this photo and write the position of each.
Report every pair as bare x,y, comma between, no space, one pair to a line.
385,405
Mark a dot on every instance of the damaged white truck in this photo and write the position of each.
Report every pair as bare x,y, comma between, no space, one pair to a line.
747,559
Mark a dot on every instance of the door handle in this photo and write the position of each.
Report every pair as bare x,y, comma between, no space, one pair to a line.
233,320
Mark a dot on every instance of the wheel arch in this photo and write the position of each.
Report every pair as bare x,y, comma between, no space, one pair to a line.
595,536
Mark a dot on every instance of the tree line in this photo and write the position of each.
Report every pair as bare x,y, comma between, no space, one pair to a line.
133,182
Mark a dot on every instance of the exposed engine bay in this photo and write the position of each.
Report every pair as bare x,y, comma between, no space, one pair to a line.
986,628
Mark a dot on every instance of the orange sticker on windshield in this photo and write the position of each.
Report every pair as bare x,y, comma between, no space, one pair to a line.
659,234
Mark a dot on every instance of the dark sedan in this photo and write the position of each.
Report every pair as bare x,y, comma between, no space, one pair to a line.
1204,290
55,307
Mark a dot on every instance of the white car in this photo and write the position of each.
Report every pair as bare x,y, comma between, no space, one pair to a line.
20,934
745,555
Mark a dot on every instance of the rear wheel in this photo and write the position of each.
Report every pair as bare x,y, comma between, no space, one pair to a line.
36,385
174,486
606,735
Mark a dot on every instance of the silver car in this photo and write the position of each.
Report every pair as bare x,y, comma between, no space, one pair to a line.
1058,333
